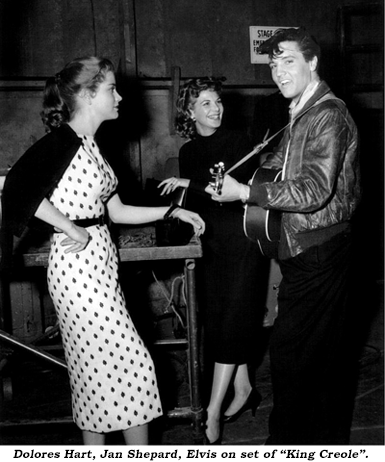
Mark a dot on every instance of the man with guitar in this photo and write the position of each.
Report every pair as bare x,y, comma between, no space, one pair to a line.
316,195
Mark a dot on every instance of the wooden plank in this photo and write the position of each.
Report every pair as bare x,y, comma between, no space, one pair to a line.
26,309
133,250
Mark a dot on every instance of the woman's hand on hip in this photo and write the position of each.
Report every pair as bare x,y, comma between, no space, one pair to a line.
77,239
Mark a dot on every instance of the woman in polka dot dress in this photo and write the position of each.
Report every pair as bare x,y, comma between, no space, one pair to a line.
112,377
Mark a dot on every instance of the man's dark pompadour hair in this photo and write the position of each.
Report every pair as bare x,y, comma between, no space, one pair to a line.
306,43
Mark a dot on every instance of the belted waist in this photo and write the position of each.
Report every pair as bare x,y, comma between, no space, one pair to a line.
86,222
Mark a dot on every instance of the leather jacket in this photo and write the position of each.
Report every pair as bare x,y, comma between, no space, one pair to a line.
321,186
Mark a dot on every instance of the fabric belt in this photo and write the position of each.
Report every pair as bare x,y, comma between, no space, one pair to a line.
86,222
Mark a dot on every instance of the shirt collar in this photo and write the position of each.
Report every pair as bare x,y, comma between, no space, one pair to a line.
295,107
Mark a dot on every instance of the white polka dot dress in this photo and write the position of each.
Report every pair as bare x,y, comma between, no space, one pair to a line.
112,376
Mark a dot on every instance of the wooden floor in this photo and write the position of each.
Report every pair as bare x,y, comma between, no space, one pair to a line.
40,393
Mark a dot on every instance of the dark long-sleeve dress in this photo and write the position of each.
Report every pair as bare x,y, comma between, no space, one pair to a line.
232,277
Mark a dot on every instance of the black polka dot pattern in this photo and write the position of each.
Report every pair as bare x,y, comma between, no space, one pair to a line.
112,376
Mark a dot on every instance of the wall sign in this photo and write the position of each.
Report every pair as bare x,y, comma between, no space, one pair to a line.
258,34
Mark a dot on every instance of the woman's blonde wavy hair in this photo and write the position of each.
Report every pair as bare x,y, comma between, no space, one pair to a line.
59,99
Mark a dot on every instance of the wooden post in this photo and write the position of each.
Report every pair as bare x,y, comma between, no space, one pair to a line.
174,92
128,40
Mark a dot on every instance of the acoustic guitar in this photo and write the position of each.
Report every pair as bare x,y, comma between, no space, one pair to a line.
261,225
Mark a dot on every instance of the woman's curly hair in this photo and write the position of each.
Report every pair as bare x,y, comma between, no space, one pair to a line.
59,99
188,94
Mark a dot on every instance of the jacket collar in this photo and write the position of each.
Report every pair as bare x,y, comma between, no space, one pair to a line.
321,90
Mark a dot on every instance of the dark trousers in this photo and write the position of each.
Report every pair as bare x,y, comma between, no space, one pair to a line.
311,352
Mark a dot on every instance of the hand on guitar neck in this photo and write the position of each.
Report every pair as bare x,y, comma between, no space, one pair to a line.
260,225
218,173
225,188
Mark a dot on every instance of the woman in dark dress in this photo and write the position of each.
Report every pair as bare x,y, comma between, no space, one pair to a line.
232,287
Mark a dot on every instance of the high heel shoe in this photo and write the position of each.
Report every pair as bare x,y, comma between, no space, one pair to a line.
207,442
252,402
218,441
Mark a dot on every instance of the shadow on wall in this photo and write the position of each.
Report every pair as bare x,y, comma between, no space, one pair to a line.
257,114
11,60
115,137
237,110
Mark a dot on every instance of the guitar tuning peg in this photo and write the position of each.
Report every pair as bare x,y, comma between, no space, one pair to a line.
218,174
